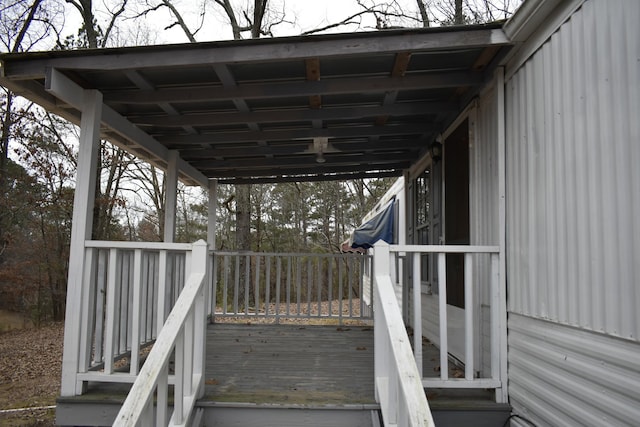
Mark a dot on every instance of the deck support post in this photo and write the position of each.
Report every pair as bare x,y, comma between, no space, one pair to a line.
171,203
211,241
81,229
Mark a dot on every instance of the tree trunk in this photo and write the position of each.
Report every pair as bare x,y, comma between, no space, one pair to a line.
459,17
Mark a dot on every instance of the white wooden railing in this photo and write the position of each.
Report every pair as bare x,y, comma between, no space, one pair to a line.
399,389
128,290
288,286
183,336
481,264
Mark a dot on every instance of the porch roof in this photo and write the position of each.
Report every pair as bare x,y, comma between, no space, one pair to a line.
262,110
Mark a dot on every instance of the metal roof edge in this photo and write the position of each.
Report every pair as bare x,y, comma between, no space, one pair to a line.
532,25
251,42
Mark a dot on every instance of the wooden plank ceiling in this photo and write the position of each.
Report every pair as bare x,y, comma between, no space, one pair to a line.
272,110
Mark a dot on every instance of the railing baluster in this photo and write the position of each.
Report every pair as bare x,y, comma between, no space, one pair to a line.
101,296
138,276
278,278
142,282
468,317
162,288
319,265
236,287
125,307
257,284
330,284
350,277
298,283
442,305
495,317
309,284
225,294
267,284
417,312
111,311
189,350
214,285
340,289
289,262
247,283
361,285
88,310
162,396
152,316
178,388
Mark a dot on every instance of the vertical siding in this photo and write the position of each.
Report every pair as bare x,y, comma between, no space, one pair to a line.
573,174
573,222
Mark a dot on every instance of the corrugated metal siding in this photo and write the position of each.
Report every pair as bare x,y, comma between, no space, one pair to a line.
573,174
561,376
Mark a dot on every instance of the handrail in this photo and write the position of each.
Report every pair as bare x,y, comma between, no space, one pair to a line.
155,246
399,391
185,325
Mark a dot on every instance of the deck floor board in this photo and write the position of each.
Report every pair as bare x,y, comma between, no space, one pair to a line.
293,364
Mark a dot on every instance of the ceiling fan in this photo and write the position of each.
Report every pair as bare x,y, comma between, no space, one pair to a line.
320,146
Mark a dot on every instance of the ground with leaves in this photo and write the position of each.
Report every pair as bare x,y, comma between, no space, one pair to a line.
30,364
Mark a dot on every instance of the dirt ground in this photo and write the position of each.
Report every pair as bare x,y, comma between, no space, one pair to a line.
30,365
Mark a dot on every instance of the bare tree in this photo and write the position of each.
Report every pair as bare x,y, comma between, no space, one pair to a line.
24,25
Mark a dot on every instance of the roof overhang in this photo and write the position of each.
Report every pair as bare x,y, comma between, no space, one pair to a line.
307,108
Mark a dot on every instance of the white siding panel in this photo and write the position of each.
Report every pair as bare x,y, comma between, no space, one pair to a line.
559,375
573,174
483,206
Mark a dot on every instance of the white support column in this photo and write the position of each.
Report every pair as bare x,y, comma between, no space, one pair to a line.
502,394
213,216
171,201
80,232
211,240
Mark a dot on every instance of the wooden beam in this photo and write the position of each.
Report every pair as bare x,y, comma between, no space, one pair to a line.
175,141
307,170
294,89
313,75
298,148
65,89
313,177
282,116
304,160
399,70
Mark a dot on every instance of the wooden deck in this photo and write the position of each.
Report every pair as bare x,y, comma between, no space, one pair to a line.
278,371
290,364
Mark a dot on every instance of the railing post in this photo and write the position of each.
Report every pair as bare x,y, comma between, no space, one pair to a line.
380,268
199,265
381,259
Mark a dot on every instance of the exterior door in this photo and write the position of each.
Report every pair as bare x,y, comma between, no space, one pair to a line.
456,229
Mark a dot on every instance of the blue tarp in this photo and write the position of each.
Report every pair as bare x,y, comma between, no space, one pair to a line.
380,227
